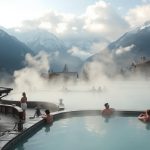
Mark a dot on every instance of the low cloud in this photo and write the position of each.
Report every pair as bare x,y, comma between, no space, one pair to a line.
145,1
98,47
95,47
122,50
75,51
138,15
99,20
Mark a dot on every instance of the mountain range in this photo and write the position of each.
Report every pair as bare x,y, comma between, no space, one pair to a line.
127,49
33,42
42,40
39,40
12,52
132,45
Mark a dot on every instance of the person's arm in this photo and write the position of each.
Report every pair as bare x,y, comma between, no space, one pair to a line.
25,99
112,109
142,117
102,112
51,118
43,116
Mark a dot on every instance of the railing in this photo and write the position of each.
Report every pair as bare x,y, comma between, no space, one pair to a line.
32,104
12,109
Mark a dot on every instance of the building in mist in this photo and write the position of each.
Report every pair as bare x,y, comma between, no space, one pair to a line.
65,74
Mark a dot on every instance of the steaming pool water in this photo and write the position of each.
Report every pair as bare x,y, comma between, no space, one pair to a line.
133,95
86,133
90,132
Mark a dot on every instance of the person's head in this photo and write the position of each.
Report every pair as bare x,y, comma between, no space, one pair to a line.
60,100
23,94
148,112
47,111
106,105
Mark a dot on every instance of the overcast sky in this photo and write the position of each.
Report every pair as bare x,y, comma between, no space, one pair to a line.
74,19
13,12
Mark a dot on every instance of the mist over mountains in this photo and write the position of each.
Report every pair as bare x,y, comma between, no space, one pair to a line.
41,40
117,55
121,53
36,41
132,45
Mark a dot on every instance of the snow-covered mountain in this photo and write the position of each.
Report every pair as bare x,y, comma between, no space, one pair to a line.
42,40
133,44
130,47
12,52
39,40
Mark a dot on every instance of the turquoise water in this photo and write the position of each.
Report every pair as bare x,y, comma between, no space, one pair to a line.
90,133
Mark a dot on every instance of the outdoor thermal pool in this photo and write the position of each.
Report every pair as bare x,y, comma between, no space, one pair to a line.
90,132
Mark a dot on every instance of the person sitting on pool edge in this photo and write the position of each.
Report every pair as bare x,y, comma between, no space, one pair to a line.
47,117
37,112
61,105
107,111
145,117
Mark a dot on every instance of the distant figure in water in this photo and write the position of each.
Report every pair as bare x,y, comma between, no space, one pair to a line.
23,103
107,111
99,89
93,89
145,117
47,117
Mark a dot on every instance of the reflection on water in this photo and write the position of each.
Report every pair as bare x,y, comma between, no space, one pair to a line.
95,125
47,128
120,95
91,132
148,126
106,119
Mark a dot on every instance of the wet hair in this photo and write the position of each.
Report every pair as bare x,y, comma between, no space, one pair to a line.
106,105
47,111
24,94
148,112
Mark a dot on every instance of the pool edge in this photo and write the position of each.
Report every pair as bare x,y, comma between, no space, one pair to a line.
62,115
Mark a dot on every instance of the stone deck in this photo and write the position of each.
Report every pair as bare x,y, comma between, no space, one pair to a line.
7,124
